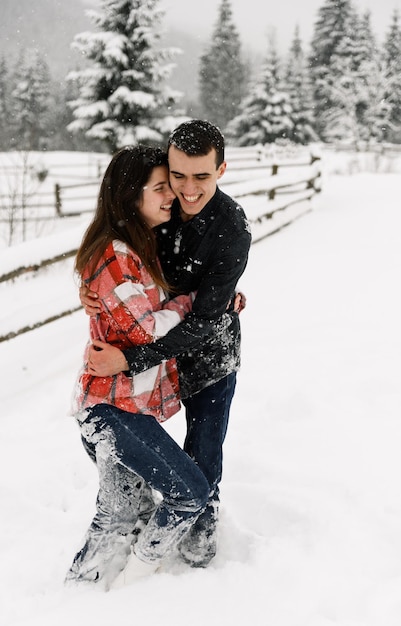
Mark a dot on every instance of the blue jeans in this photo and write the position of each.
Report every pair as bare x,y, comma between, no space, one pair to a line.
207,414
140,445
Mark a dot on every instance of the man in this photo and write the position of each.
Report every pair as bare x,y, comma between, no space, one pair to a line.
204,248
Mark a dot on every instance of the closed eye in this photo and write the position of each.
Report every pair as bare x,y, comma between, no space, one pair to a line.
161,187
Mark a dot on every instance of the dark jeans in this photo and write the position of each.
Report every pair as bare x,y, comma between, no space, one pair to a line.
207,414
139,444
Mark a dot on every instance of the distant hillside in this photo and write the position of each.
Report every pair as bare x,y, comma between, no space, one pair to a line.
50,26
45,25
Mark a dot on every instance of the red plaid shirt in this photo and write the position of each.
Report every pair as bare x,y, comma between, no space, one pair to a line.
134,311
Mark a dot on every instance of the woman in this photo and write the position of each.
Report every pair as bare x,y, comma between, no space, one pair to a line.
119,416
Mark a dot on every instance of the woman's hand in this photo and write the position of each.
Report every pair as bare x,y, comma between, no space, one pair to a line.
89,300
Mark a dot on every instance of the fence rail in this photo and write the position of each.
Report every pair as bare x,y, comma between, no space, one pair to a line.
272,197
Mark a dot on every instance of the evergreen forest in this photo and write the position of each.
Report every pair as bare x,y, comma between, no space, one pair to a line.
343,85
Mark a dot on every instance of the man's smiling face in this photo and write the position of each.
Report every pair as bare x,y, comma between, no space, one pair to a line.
193,179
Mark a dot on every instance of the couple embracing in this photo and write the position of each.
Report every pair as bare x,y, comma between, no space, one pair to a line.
159,265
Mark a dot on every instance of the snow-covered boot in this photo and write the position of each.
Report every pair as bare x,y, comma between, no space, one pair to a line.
134,570
102,557
199,545
119,518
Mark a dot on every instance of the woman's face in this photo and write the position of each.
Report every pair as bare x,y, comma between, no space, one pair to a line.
157,198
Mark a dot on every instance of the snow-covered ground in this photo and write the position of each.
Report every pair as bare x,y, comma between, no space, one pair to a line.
310,529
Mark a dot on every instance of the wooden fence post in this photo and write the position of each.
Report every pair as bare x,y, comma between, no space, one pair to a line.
57,196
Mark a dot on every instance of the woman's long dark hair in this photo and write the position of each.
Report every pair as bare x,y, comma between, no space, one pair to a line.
117,216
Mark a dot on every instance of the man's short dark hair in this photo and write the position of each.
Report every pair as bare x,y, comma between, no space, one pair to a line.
198,137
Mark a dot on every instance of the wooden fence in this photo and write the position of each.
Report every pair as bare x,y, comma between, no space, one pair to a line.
273,193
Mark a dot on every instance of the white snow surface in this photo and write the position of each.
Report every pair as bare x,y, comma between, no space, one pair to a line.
310,531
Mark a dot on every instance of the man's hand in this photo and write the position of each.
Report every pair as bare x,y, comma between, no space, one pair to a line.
105,360
239,302
89,300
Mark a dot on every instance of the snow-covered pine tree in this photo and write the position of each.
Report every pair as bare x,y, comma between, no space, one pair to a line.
298,86
266,114
222,76
371,108
60,116
332,63
4,106
122,97
355,84
30,102
339,121
365,41
392,71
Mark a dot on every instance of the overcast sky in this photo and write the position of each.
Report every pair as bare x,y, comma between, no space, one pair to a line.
253,18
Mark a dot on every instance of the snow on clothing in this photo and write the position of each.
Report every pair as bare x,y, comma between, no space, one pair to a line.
132,451
206,254
134,311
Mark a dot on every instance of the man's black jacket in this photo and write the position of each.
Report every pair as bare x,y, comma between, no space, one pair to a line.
206,254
